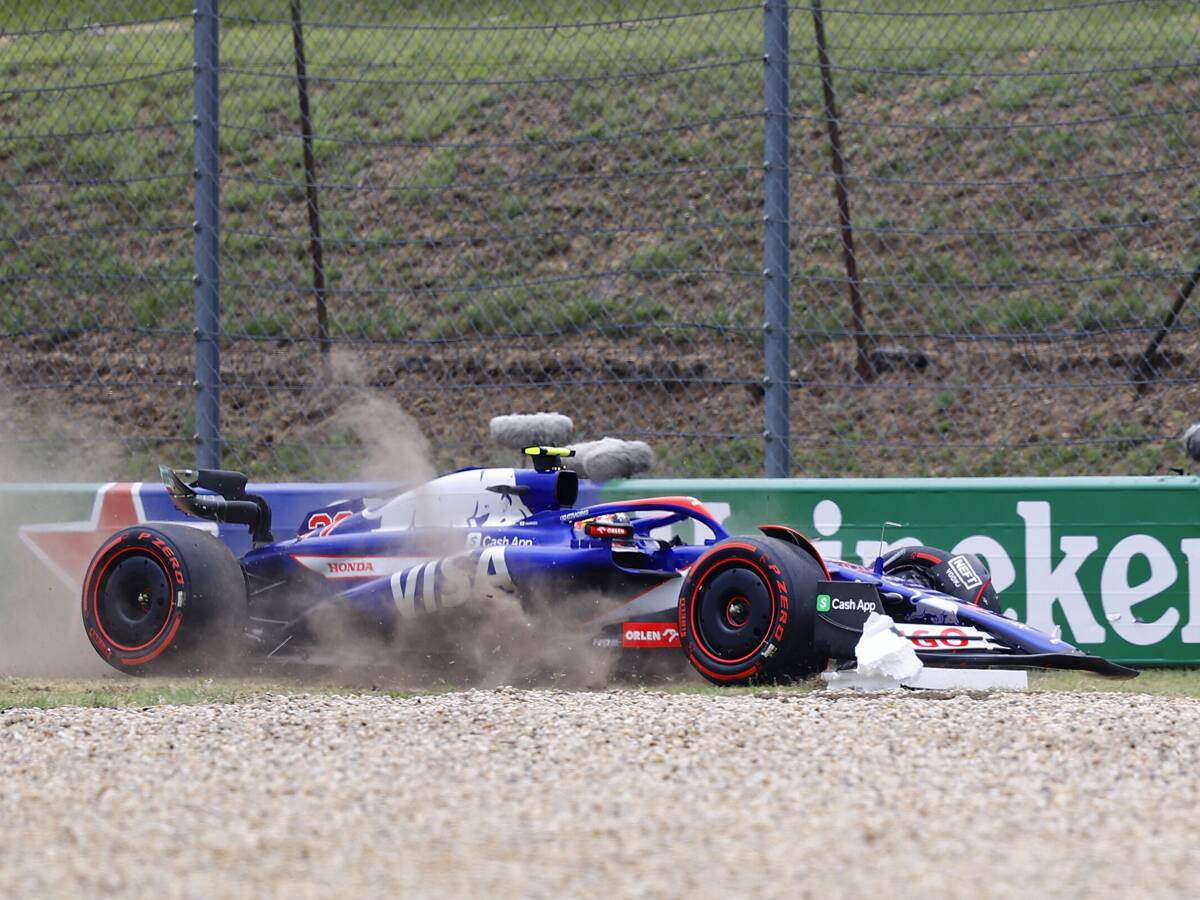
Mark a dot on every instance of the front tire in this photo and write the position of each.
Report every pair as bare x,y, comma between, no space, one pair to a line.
164,598
747,611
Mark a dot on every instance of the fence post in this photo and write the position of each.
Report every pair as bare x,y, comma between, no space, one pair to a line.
316,247
862,364
207,247
776,240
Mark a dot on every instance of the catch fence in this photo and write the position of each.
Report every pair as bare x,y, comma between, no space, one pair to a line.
858,237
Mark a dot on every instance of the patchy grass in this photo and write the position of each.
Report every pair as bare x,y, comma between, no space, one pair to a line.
116,691
382,163
1168,682
602,185
698,686
47,693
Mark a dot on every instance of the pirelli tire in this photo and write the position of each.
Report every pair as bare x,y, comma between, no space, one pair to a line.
164,599
943,571
747,610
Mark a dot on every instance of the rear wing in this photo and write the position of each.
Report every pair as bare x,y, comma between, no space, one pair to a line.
231,504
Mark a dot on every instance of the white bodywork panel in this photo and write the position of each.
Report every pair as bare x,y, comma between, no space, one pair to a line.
460,499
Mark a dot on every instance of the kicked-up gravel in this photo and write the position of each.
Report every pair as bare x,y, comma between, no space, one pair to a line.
626,793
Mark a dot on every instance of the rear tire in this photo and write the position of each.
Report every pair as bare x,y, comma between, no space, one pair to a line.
747,611
164,599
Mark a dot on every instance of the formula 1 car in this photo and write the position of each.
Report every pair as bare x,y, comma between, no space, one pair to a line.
744,609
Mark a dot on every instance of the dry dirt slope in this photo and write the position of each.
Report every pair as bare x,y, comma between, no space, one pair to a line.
512,793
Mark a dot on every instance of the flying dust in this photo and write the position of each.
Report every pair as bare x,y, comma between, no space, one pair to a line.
492,637
488,635
40,631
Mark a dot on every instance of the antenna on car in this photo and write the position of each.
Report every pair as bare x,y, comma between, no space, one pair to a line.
878,567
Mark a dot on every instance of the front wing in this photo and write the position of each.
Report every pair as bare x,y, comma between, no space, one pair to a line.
946,632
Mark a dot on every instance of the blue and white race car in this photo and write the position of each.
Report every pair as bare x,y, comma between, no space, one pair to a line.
741,609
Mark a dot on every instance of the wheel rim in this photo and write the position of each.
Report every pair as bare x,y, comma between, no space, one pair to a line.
734,609
134,601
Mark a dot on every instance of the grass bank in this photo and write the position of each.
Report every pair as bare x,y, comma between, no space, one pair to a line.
575,213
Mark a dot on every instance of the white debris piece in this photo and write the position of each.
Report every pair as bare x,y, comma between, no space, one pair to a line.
931,678
887,661
938,679
884,652
850,680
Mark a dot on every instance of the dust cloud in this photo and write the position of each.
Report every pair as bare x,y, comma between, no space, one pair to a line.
393,447
492,637
490,640
40,629
485,638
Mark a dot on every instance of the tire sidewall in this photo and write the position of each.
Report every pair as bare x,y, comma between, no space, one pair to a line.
208,609
159,547
785,648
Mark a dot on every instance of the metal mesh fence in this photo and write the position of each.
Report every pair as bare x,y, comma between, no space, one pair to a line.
459,209
95,243
1022,181
522,207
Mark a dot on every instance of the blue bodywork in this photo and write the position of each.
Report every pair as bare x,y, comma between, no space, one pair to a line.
388,561
388,571
930,607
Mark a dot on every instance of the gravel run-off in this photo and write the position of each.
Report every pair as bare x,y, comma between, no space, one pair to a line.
622,793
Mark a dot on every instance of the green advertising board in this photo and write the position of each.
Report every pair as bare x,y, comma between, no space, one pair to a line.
1113,562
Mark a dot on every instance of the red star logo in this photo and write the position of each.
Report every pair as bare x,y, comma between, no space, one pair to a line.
67,547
